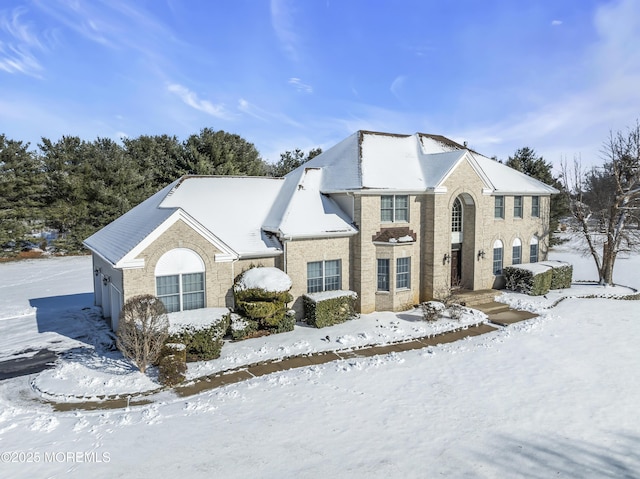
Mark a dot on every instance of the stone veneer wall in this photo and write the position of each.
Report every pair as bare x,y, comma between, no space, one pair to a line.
430,219
300,252
219,276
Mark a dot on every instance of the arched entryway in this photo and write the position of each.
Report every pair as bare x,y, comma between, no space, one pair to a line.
463,218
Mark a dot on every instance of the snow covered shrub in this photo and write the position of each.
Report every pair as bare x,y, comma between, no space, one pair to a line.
561,274
329,307
455,311
172,366
432,310
241,328
142,330
261,294
533,278
202,342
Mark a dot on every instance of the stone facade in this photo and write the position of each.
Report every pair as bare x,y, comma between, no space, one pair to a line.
437,258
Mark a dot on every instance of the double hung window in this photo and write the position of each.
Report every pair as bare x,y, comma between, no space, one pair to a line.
324,276
394,208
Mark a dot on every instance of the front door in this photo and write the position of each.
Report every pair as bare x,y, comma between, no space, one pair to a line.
456,268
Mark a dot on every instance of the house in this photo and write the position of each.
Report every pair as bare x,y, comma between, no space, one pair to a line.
399,219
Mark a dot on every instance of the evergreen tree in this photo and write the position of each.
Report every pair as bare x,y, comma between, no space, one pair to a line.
158,158
221,153
290,160
21,189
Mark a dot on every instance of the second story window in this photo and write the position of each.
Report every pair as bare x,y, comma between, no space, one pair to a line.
394,208
499,207
517,206
535,206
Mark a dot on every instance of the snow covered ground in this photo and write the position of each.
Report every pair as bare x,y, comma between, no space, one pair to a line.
555,396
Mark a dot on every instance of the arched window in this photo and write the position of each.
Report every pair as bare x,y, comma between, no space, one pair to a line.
180,280
533,250
456,221
516,257
497,257
456,216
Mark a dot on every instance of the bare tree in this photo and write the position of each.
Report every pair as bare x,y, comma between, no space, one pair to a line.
142,330
605,201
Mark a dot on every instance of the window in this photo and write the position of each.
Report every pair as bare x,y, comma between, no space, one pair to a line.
181,292
394,208
499,207
535,206
180,281
383,275
533,250
517,206
403,273
456,216
324,276
497,257
516,257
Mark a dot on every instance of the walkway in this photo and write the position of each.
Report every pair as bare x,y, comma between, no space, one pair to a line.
499,314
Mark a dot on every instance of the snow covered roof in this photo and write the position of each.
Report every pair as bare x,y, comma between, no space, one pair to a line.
421,162
301,210
227,210
119,237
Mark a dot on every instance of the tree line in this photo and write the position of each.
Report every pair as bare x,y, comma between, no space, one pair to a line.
75,187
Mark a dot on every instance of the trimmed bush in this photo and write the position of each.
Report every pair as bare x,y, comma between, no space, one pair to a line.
202,342
329,308
286,324
561,274
261,295
532,279
242,328
172,370
177,349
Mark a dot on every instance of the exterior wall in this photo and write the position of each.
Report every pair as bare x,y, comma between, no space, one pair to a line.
430,219
301,252
219,276
107,288
365,253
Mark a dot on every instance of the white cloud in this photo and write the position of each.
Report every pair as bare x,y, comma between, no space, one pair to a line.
17,53
556,23
191,99
284,25
300,86
397,85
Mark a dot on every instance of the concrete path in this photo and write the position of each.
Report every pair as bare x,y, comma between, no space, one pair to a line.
498,313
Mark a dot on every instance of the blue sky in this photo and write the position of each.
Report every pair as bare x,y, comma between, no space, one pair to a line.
556,76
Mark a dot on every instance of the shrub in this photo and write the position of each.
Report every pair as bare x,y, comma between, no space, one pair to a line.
241,328
172,370
455,311
286,324
142,330
561,274
261,295
533,279
432,310
329,308
202,343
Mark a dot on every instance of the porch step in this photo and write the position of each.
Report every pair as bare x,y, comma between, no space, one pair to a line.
473,298
491,307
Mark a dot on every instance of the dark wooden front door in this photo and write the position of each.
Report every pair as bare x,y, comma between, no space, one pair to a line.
456,267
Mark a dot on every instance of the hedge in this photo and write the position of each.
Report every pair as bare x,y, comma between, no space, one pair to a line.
526,280
561,274
329,308
202,343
